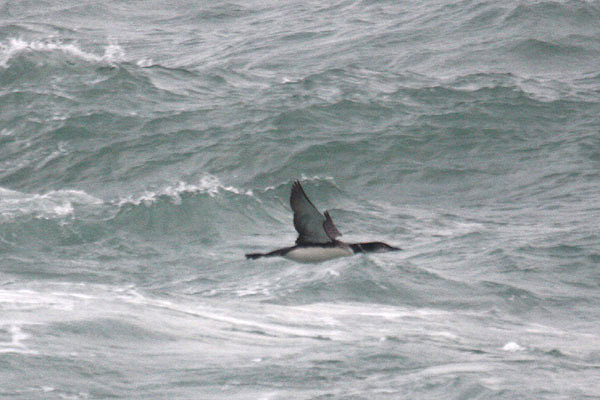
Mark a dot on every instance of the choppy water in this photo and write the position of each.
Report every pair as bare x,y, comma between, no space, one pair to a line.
146,146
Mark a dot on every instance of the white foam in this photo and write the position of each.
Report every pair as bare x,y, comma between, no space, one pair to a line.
316,178
302,178
456,368
333,272
28,300
78,396
16,345
208,184
15,46
53,204
445,335
145,63
288,80
512,347
113,53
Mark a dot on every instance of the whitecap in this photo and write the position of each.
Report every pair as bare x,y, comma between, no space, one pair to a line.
512,347
16,345
113,53
145,63
15,46
208,184
52,204
317,178
288,80
30,300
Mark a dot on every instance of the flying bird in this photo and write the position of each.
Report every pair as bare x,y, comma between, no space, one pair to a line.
317,235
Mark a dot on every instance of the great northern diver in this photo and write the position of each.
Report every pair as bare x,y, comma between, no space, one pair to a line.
317,235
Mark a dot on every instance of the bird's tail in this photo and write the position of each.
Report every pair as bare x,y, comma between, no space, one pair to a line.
254,256
274,253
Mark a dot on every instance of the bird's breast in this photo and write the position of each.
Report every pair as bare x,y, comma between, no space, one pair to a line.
311,254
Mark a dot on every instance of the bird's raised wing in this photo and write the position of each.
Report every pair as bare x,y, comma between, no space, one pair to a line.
312,226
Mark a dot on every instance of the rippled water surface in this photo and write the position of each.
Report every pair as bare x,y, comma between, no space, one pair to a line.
145,147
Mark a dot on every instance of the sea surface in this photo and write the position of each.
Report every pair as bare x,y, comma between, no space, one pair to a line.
146,146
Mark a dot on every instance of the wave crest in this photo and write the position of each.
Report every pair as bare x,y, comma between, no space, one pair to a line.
15,46
53,204
208,184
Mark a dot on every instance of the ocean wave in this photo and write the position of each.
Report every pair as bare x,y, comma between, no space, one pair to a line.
512,88
204,209
568,12
303,177
14,47
52,204
60,203
479,82
15,344
547,48
208,184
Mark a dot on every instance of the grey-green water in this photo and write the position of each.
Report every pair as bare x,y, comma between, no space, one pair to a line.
145,147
